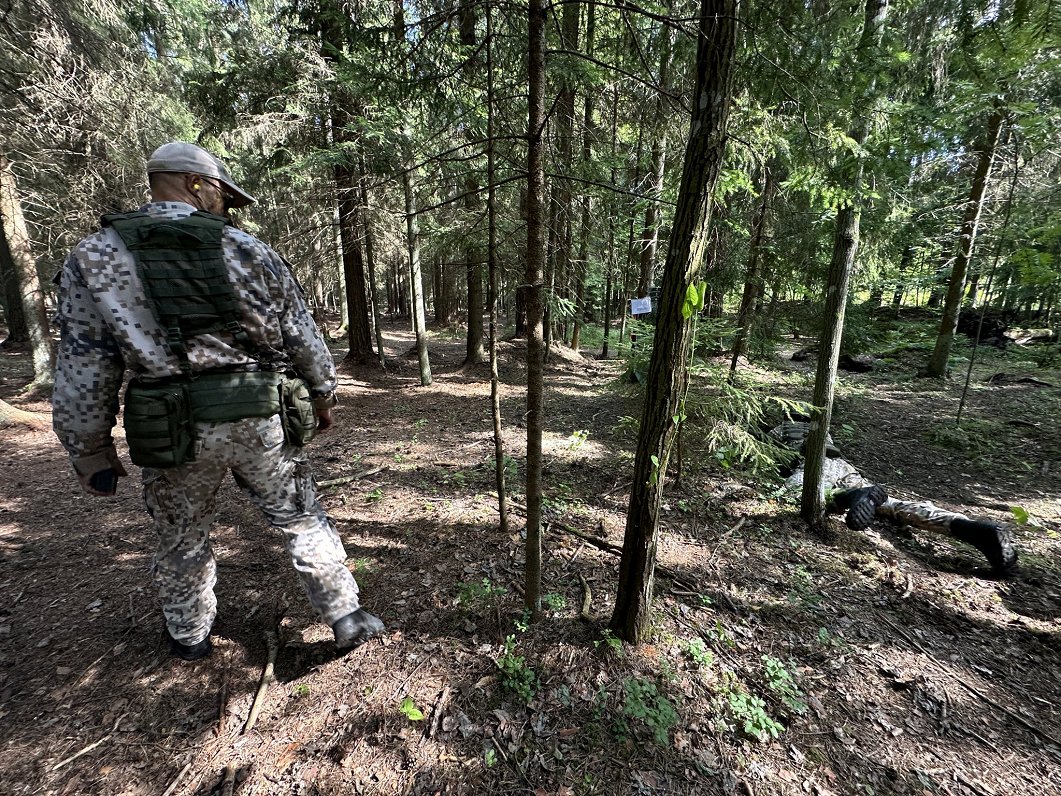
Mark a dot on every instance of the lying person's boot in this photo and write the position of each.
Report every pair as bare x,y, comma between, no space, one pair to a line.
356,628
990,538
860,505
190,652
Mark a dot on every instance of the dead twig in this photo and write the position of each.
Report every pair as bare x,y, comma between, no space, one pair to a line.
263,684
722,540
222,701
177,780
90,747
346,479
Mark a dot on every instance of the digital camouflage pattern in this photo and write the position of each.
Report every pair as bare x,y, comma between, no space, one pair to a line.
107,327
840,477
278,480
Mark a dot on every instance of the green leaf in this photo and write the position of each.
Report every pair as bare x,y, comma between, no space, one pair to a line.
409,709
703,297
692,298
1020,515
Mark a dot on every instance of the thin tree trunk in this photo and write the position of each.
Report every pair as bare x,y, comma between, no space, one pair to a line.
753,282
905,262
358,332
668,372
812,503
474,353
13,416
370,257
491,266
416,279
14,316
17,245
532,597
937,363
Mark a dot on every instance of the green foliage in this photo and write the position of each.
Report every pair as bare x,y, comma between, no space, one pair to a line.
1020,515
698,651
554,601
577,439
516,675
409,709
780,681
610,641
643,702
479,593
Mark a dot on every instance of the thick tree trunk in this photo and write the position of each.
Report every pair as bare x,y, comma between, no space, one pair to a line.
937,363
667,375
17,245
14,316
812,503
532,596
358,329
13,416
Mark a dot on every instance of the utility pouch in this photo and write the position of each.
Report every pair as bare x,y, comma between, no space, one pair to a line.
297,411
227,397
158,425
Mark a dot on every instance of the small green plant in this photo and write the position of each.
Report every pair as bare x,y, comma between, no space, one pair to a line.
554,601
478,592
780,681
490,758
409,709
516,675
299,691
1020,515
643,702
419,423
749,712
577,439
720,635
609,640
523,623
374,495
698,651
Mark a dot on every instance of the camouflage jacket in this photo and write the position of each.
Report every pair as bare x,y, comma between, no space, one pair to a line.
106,326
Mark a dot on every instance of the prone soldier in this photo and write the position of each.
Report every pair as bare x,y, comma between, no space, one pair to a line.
862,502
229,373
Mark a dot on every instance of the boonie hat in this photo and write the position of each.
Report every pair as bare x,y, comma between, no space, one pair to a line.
185,158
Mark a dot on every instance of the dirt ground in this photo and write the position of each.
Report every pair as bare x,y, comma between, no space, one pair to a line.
871,663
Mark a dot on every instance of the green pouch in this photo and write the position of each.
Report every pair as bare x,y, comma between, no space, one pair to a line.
227,397
158,425
297,411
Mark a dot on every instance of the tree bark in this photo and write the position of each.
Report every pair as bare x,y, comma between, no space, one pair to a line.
474,353
753,282
937,363
17,244
716,50
812,502
533,279
416,279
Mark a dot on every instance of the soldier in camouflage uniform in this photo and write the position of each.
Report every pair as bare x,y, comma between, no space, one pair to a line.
108,326
863,501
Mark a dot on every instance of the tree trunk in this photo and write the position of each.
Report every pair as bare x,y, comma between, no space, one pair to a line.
532,597
753,282
17,245
416,279
373,292
937,363
905,262
474,353
13,416
812,503
491,267
667,374
14,316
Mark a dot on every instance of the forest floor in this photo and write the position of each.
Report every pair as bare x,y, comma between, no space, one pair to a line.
869,663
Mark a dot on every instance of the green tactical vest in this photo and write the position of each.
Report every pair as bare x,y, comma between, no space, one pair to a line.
185,278
183,270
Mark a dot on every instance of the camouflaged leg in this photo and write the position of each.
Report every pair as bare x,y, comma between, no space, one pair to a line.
181,501
279,481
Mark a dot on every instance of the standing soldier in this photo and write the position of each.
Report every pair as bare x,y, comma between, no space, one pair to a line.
229,373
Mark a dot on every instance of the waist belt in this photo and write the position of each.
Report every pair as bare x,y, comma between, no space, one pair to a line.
225,397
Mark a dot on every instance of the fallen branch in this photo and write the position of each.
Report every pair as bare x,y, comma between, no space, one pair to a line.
973,690
436,717
346,479
228,782
263,684
587,598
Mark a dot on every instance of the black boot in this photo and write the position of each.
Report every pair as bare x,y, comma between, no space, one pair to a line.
860,505
990,538
355,628
190,652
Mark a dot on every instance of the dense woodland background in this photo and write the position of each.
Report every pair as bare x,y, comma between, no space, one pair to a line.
883,189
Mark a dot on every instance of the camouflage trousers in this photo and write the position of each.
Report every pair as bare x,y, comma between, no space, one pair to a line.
837,473
277,478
